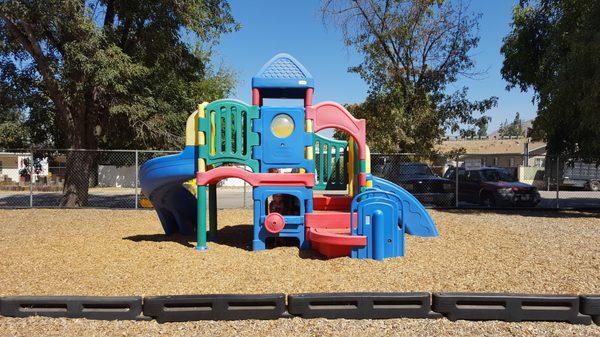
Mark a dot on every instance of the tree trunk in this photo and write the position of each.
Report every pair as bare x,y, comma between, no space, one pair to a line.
80,164
79,168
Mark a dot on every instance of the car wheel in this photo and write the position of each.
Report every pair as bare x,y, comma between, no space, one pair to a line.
487,200
594,186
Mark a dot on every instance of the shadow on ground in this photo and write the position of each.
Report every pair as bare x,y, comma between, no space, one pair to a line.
184,240
238,236
41,199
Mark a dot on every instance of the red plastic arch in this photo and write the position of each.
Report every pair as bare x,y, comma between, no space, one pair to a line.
333,115
255,179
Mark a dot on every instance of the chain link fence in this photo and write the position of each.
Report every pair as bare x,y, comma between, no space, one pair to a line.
49,178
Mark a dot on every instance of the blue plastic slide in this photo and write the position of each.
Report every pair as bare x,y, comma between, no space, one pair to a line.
162,181
417,222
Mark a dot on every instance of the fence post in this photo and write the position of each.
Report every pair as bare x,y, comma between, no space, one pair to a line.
32,169
456,182
244,197
137,168
557,181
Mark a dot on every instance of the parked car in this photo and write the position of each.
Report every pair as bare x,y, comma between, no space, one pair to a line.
492,186
420,181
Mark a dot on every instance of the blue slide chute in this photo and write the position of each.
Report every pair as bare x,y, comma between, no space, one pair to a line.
162,181
417,222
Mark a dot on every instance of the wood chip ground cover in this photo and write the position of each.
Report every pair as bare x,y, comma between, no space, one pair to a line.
117,252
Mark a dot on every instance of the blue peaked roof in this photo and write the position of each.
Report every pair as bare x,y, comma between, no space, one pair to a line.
283,77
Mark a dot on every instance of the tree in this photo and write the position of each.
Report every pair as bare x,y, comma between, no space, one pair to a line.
412,50
478,130
514,129
110,74
482,130
13,132
554,50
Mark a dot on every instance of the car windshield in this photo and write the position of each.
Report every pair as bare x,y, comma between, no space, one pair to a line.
415,170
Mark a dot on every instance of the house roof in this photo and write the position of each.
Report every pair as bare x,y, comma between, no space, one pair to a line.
490,146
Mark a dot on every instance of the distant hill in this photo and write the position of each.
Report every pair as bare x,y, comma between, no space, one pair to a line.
526,125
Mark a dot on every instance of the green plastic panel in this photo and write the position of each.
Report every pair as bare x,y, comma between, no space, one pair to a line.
229,137
331,163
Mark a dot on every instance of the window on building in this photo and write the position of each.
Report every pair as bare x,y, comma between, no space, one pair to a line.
511,162
495,161
539,162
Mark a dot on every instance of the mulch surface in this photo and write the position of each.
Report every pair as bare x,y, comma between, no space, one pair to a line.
117,252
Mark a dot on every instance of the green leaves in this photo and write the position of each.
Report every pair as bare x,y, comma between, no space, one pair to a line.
554,49
133,69
412,50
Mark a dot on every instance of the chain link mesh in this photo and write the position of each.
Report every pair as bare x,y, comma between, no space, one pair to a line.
110,179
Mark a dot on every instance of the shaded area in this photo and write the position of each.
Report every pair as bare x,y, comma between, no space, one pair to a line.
124,199
184,240
236,236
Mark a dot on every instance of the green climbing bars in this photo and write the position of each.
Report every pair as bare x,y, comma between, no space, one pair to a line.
227,126
331,163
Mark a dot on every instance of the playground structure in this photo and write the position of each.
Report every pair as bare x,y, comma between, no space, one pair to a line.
368,221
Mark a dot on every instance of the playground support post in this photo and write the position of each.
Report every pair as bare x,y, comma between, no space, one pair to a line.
212,211
201,230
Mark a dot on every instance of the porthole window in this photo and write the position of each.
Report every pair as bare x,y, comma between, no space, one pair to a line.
282,126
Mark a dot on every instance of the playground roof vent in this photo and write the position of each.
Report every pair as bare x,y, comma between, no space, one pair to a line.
283,77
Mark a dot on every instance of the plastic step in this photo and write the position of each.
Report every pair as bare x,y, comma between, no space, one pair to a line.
328,219
332,202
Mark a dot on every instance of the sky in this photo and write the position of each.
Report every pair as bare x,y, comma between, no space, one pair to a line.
269,27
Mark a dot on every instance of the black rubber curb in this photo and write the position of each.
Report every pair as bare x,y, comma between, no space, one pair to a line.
590,305
509,307
214,307
91,307
362,305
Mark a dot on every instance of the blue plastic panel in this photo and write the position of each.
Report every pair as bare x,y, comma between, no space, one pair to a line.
416,219
294,224
161,180
276,152
283,71
378,219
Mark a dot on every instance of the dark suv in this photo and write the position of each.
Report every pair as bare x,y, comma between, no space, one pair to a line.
420,181
491,186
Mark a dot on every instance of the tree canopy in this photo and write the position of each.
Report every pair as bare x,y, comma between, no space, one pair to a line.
513,129
108,74
554,50
412,51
